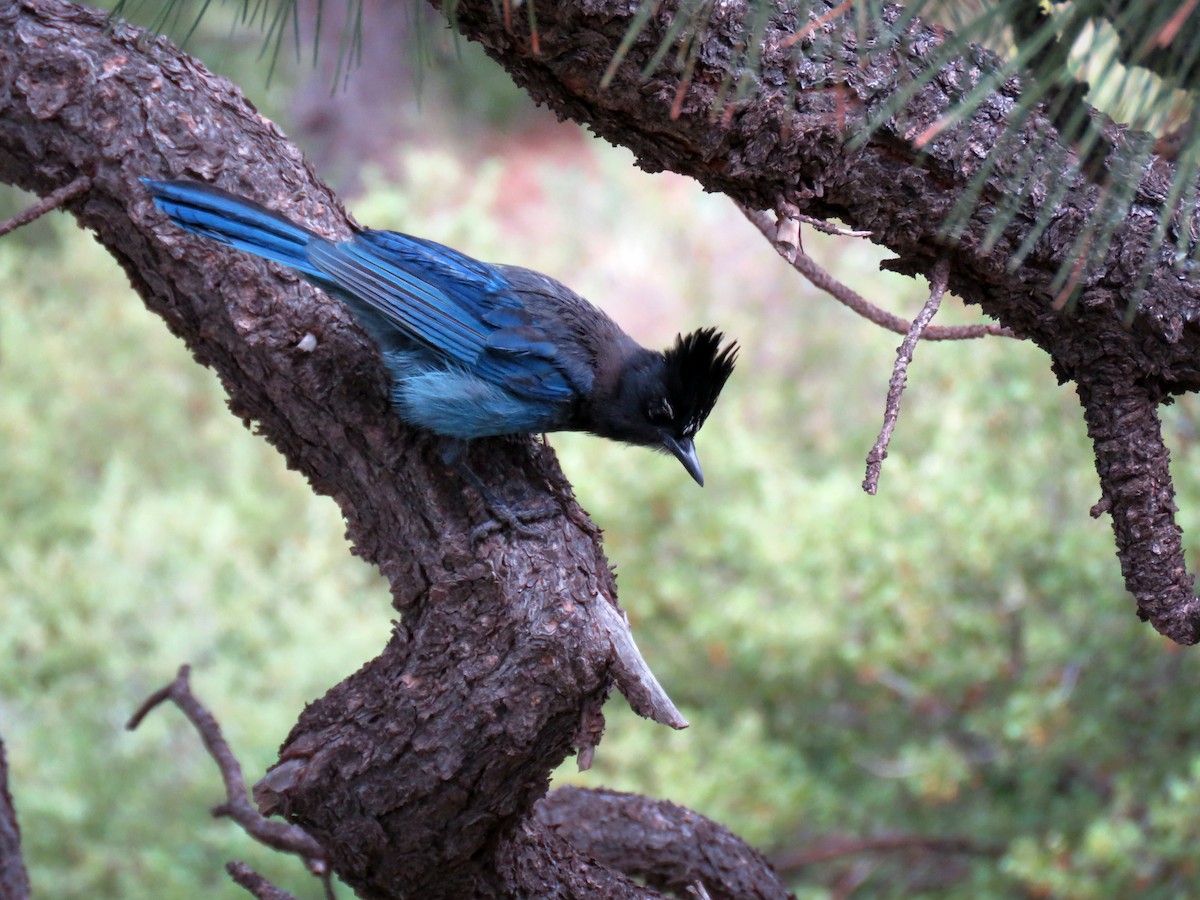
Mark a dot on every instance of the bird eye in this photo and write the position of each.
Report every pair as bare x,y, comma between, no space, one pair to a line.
660,412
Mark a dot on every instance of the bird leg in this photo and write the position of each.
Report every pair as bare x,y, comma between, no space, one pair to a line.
503,514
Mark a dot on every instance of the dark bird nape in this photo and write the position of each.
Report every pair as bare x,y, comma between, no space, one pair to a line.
475,349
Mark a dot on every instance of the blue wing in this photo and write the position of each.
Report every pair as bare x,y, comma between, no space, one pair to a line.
459,309
455,306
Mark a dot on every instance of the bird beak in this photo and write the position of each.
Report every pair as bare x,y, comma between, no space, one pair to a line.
685,452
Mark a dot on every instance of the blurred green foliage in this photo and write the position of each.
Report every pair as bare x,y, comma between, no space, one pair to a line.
953,658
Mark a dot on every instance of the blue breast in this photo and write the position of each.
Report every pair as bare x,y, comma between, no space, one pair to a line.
454,402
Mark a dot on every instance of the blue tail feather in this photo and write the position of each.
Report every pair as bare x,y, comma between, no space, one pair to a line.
243,224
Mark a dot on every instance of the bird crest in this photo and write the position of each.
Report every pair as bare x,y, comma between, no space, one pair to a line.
697,367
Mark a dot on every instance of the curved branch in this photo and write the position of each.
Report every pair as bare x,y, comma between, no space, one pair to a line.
672,848
539,863
1135,480
784,144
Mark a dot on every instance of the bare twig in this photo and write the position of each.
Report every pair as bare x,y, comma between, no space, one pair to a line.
847,296
48,203
836,848
237,805
937,282
256,884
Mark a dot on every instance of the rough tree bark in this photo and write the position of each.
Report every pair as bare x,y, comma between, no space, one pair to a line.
419,772
14,881
785,143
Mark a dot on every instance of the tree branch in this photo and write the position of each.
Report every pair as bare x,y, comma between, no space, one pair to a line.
14,880
670,847
798,139
837,848
47,204
1135,480
904,355
822,280
237,806
256,884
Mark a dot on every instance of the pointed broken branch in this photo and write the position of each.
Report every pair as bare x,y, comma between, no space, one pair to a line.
633,675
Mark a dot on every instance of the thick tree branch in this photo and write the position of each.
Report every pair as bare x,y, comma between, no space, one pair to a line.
1135,481
670,847
14,881
784,143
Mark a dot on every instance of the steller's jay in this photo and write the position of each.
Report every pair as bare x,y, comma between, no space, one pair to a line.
477,350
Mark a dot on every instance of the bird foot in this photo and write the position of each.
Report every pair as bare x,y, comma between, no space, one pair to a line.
504,516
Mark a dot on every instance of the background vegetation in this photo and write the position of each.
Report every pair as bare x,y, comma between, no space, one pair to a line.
954,658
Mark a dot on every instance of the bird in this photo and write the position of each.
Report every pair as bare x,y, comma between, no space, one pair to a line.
480,350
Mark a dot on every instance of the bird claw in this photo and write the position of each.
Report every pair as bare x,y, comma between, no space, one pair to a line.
504,516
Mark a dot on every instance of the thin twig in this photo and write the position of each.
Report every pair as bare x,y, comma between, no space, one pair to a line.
256,884
838,848
822,280
237,805
829,228
937,283
51,201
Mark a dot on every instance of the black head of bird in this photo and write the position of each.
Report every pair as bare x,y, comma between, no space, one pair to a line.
661,399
